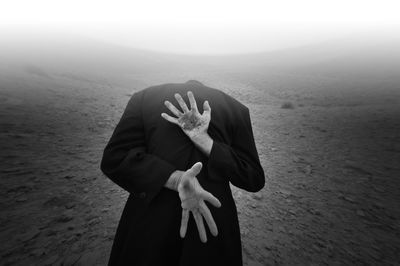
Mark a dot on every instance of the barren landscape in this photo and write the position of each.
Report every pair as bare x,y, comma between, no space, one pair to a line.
327,132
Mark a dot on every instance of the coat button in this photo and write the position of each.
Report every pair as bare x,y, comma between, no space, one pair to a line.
142,195
139,156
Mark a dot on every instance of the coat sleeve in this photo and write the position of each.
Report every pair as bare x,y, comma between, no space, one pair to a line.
125,159
239,162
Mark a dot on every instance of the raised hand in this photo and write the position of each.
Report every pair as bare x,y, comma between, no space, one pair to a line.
192,197
193,124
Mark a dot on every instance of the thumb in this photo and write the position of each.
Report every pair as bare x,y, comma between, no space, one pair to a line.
206,107
195,169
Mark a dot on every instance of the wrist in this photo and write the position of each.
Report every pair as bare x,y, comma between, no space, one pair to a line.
178,178
174,180
204,142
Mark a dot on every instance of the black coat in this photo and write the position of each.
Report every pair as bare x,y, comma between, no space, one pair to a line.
143,152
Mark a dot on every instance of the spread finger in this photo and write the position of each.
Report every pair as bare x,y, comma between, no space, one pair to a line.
181,102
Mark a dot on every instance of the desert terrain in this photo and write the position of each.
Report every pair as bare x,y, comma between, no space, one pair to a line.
327,130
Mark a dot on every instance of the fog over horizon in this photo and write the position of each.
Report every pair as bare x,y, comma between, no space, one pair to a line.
206,28
221,40
346,40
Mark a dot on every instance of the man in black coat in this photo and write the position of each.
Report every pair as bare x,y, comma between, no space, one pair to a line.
171,164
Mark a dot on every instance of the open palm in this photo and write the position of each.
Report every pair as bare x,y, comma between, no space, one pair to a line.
190,121
192,197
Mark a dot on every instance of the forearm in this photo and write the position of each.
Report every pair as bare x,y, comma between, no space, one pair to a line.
204,143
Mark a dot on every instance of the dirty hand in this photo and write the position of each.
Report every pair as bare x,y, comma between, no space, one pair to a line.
192,197
193,124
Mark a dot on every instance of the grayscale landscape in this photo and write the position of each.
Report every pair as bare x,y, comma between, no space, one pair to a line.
326,120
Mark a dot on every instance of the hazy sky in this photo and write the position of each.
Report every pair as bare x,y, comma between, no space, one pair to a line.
204,26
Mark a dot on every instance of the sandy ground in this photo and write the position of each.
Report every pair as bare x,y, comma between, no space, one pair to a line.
331,157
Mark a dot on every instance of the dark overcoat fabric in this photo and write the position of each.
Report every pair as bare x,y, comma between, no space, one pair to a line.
143,152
